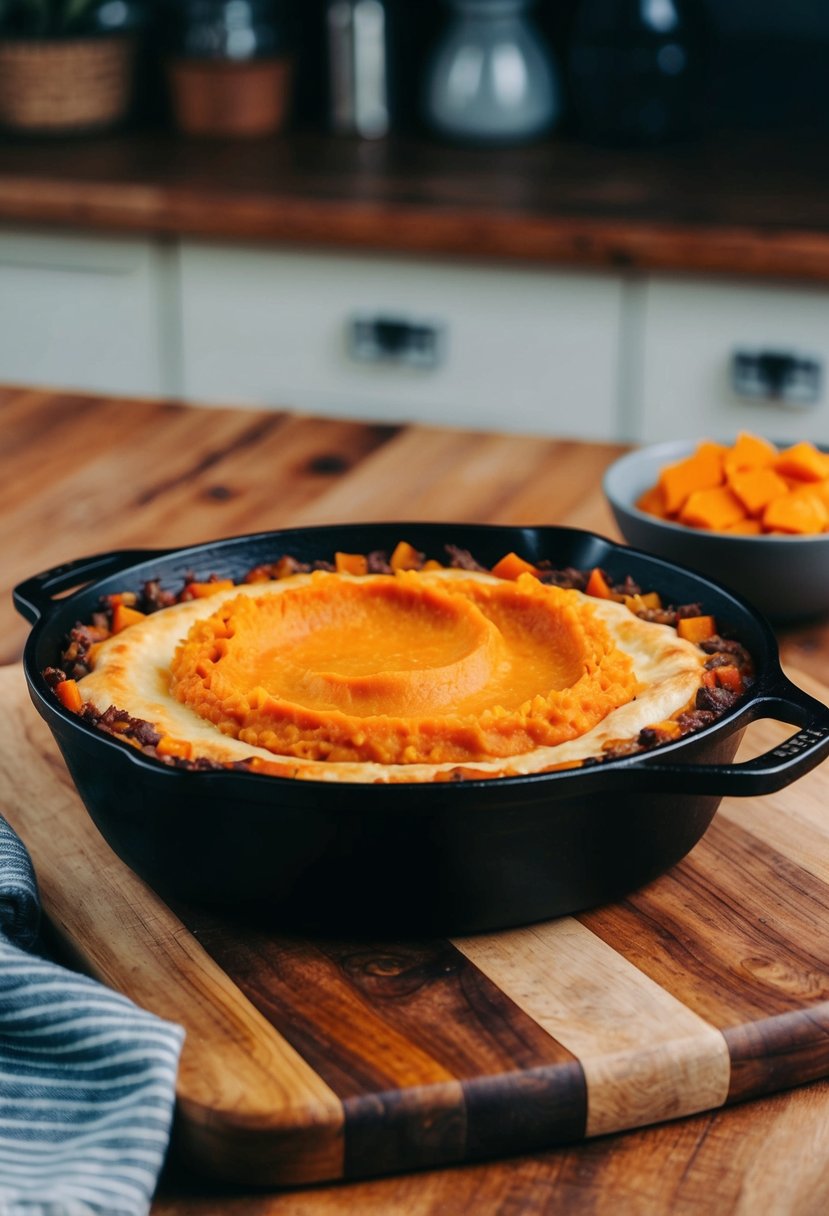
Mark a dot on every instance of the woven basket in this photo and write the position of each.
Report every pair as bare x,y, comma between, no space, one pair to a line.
64,85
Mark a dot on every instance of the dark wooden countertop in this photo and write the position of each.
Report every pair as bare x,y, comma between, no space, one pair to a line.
743,204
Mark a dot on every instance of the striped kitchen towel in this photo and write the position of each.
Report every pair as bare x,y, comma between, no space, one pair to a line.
87,1078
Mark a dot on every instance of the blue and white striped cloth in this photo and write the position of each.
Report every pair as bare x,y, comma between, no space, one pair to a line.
87,1078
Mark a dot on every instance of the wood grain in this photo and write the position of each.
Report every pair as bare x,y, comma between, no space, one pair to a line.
307,1060
407,1000
645,1055
118,473
699,206
766,1157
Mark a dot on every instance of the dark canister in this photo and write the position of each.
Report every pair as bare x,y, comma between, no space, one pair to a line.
638,69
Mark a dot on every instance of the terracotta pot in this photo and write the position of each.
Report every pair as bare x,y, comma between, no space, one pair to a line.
65,85
219,97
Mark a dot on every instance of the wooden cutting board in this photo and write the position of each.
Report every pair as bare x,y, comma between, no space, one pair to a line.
320,1059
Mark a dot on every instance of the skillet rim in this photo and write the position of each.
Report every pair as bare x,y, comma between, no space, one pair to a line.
768,664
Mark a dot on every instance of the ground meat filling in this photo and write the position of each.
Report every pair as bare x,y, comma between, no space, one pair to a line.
711,703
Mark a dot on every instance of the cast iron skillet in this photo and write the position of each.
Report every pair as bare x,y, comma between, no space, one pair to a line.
446,857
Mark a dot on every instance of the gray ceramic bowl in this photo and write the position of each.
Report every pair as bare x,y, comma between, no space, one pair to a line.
786,577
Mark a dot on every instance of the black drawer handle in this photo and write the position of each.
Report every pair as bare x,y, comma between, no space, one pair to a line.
396,340
775,375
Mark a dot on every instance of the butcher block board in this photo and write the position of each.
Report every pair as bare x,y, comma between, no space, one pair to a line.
307,1060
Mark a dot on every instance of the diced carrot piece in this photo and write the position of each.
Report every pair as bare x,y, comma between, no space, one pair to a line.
199,591
351,563
748,452
755,488
69,695
405,557
180,748
652,502
128,598
713,509
804,461
511,566
598,585
701,471
259,574
696,628
123,617
643,601
724,677
801,512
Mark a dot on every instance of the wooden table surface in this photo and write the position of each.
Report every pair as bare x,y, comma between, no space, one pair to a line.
80,475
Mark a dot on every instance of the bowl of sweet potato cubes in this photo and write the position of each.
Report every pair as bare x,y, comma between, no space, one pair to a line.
749,513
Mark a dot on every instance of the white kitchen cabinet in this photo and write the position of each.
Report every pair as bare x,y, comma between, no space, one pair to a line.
83,312
590,354
518,349
680,383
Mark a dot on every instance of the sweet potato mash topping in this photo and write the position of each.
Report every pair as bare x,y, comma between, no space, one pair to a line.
403,668
397,668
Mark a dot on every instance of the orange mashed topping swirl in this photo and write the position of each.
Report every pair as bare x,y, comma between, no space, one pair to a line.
403,669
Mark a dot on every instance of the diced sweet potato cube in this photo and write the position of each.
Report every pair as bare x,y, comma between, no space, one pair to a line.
405,557
199,591
653,502
800,512
351,563
123,617
745,527
755,488
598,585
696,628
701,471
128,598
180,748
642,601
713,509
69,695
821,490
803,461
727,676
511,566
749,452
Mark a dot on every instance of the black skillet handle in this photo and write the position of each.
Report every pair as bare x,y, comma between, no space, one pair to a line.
771,771
35,597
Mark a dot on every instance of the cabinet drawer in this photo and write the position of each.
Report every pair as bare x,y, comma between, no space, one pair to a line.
691,333
79,312
516,349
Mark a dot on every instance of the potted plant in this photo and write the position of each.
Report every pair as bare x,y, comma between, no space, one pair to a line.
66,65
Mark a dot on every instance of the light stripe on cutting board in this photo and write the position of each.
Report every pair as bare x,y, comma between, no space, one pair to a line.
646,1056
